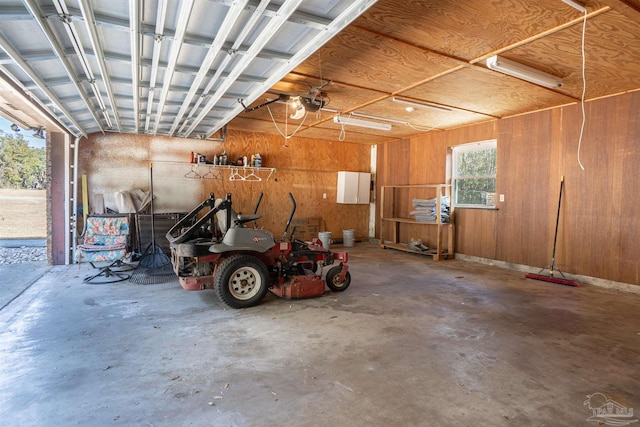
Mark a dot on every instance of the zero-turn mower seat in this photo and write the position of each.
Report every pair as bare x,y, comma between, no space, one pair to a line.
237,220
221,216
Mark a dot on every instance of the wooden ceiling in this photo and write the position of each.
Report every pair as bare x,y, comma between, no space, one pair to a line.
434,51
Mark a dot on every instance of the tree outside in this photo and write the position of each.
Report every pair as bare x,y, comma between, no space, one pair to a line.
21,167
22,189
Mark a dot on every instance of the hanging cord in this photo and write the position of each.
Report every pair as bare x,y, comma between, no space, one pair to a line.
318,115
284,135
421,128
584,88
343,133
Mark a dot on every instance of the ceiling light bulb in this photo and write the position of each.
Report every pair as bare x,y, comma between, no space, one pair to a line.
410,109
298,114
295,102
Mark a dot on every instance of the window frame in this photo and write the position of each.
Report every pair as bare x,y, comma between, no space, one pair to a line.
489,144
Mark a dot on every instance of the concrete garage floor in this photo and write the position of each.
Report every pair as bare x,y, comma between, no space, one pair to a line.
410,343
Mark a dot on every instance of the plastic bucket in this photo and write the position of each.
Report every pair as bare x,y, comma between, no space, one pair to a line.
325,238
348,237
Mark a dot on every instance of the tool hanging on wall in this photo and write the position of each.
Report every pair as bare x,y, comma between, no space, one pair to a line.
552,267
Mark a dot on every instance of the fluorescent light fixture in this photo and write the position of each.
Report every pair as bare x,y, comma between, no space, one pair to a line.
419,104
361,123
524,72
384,119
576,5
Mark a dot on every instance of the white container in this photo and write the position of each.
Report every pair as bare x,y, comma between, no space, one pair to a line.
325,238
348,237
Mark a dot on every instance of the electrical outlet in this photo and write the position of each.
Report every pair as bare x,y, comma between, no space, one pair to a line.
324,195
502,197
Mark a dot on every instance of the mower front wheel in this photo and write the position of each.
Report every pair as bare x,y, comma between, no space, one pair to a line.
333,279
241,281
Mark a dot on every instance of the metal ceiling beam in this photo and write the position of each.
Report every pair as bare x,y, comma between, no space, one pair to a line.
185,69
36,13
41,85
47,55
205,43
122,81
302,18
60,81
33,56
257,14
280,18
134,30
160,18
89,20
176,45
228,24
74,38
354,10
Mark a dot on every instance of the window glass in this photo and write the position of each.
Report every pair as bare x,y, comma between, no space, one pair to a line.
474,174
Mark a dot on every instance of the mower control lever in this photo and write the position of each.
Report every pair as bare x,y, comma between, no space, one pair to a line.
293,210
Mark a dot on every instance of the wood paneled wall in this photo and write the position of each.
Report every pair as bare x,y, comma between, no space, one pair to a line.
600,216
305,167
600,213
422,160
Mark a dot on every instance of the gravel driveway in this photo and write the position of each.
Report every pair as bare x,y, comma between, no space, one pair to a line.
22,254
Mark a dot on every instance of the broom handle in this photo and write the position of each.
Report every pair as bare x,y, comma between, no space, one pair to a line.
153,229
555,236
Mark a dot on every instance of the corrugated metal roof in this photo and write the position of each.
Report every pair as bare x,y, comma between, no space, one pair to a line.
162,67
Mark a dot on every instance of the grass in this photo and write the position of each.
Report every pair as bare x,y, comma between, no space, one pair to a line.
23,214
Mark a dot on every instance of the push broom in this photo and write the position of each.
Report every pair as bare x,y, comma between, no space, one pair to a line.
552,267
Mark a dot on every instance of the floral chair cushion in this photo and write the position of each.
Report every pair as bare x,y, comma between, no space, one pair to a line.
105,238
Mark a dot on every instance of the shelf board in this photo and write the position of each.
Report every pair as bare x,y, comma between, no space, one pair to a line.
413,221
431,252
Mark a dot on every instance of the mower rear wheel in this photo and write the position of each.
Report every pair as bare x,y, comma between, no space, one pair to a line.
333,279
241,281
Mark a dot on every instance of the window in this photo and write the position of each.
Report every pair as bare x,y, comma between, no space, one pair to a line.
474,174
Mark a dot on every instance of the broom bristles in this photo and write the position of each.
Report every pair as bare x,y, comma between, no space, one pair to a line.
552,279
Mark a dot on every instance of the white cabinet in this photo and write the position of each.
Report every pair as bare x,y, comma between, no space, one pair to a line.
354,187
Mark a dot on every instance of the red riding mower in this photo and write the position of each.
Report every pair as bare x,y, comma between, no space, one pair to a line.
242,263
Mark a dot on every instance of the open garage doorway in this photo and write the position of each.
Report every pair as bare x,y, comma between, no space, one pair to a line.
23,193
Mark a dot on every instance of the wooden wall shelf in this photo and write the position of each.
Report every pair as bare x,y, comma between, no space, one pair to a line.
236,173
391,220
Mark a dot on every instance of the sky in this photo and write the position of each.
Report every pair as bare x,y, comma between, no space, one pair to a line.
5,126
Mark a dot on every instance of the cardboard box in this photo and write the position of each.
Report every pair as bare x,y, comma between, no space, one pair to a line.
307,228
